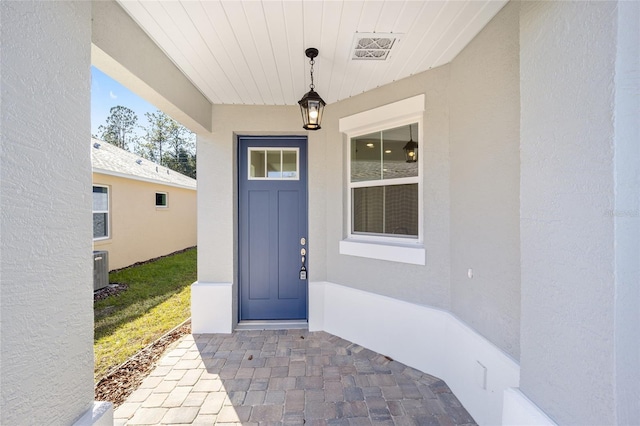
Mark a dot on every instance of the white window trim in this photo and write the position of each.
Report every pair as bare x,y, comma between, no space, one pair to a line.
166,198
394,249
281,149
108,211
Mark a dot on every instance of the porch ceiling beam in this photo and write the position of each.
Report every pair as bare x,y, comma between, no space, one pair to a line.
123,50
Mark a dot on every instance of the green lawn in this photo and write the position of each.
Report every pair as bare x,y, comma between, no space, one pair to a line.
157,300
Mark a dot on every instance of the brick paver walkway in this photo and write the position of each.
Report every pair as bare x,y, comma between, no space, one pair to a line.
286,377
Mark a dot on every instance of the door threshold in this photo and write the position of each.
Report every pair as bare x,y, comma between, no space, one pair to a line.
273,325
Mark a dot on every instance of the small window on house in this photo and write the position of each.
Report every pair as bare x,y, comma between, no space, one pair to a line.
100,212
161,199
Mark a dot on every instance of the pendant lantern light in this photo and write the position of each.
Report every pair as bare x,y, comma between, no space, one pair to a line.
411,148
311,104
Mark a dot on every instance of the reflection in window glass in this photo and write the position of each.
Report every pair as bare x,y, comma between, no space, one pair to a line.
289,164
394,163
257,169
366,156
274,170
379,207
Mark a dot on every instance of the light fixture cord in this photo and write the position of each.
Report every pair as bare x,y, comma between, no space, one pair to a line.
312,86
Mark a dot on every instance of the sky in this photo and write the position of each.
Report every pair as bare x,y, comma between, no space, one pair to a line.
107,93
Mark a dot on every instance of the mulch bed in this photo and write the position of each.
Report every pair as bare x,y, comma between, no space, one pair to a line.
111,290
121,381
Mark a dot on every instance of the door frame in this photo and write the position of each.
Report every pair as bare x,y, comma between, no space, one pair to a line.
303,161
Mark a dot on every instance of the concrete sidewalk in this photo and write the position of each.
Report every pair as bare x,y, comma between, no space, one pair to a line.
286,377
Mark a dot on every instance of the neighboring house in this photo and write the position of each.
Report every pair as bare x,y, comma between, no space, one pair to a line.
140,210
514,277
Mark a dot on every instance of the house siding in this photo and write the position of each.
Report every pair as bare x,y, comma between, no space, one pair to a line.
46,327
138,229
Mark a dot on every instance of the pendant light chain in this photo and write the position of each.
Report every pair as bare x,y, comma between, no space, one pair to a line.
312,62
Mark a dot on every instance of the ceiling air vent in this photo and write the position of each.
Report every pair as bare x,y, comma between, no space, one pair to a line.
373,46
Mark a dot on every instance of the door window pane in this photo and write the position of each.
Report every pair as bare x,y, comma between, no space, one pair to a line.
289,164
257,166
273,163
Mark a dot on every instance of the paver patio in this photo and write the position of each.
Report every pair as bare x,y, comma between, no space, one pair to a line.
286,377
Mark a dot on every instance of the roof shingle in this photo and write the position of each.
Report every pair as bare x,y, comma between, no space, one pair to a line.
109,159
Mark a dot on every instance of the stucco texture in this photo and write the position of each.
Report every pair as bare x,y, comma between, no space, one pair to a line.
140,230
427,284
46,326
568,58
485,182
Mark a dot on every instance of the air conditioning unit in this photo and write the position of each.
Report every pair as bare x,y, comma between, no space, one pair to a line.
100,269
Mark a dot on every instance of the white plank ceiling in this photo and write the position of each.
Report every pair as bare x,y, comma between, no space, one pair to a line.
252,52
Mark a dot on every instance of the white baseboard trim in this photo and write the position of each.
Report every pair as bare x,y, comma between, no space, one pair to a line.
431,340
100,414
518,410
211,308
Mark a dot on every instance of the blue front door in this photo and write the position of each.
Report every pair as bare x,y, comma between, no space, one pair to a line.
272,205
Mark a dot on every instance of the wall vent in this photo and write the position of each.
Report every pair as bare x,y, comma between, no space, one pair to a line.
373,46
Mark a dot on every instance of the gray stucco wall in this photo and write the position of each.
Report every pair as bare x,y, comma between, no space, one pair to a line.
428,284
485,182
471,188
627,213
567,58
46,326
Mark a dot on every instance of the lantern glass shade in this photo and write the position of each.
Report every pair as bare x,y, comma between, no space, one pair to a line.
411,151
311,107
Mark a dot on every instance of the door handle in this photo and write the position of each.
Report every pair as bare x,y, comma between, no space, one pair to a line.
303,258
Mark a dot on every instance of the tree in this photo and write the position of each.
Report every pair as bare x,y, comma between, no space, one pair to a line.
120,127
185,163
169,144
